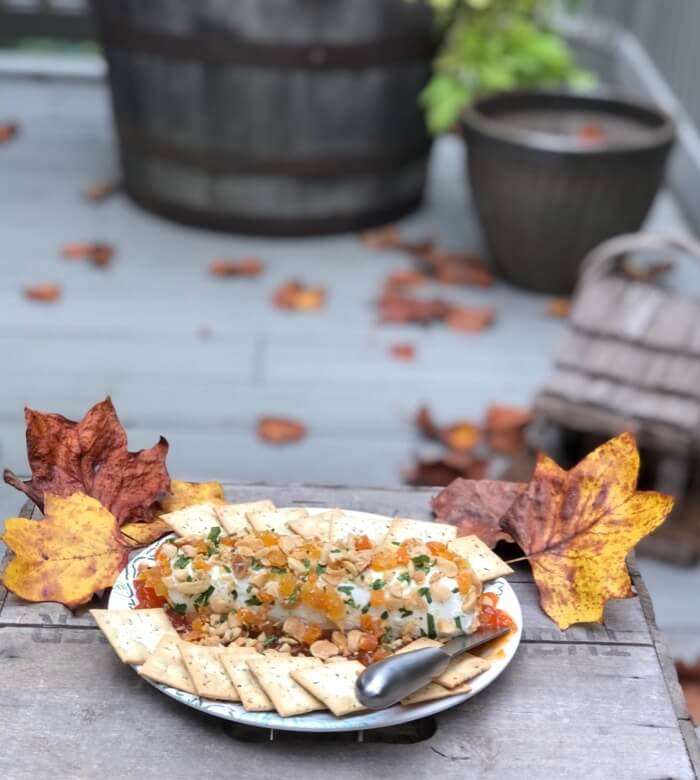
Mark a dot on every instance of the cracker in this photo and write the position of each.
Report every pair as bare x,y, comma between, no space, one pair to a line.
195,520
461,669
402,528
276,520
233,516
345,525
316,526
433,691
207,672
419,644
484,561
133,633
165,665
332,684
252,696
274,676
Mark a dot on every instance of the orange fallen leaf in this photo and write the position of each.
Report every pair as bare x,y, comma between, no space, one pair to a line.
404,352
476,507
461,435
278,430
505,428
91,457
296,296
96,252
470,320
689,678
382,238
141,534
249,266
8,130
184,494
100,190
43,292
576,528
559,308
442,470
456,267
400,279
68,556
397,308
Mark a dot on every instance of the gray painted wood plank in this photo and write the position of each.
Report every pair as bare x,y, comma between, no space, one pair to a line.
71,700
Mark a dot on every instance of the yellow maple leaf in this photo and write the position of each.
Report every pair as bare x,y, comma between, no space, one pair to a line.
73,552
577,527
184,494
141,534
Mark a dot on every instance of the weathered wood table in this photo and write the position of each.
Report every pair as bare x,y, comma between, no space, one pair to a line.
593,702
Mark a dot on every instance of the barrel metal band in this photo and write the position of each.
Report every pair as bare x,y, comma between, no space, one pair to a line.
222,161
221,50
272,225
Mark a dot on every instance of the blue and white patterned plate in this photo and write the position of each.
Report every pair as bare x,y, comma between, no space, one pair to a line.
123,596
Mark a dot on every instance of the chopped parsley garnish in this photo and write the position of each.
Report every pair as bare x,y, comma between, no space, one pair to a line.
269,640
278,569
181,608
455,590
189,578
253,601
432,633
210,551
320,568
255,564
388,636
405,612
384,615
365,609
181,561
377,584
421,561
214,534
351,603
234,593
203,599
228,569
293,596
396,543
346,589
425,592
404,576
335,551
307,563
458,623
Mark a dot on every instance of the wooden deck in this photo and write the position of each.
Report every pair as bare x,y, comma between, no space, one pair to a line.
134,329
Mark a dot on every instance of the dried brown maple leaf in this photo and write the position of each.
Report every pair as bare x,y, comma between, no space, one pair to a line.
248,266
101,190
68,556
460,436
279,430
442,470
405,352
91,456
470,320
46,293
400,279
505,428
296,296
8,130
689,678
576,528
397,308
95,252
477,506
382,238
456,267
559,308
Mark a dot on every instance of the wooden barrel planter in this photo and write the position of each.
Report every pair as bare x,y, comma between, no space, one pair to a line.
272,117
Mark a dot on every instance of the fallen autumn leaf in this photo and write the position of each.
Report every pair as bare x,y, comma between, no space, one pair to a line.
279,430
470,320
68,556
96,252
405,352
295,296
8,130
249,266
101,190
45,293
442,470
576,528
559,308
462,436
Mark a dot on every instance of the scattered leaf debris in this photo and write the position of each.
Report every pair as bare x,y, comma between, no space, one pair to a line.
405,352
295,296
248,266
96,252
101,190
8,130
280,430
45,293
559,308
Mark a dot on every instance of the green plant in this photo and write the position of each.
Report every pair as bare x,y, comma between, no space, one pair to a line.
491,46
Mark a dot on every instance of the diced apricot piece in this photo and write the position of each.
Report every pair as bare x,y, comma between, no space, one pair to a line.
312,633
277,558
384,560
362,542
368,642
376,598
287,583
464,581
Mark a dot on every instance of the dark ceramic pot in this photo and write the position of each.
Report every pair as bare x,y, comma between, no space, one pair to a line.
555,174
